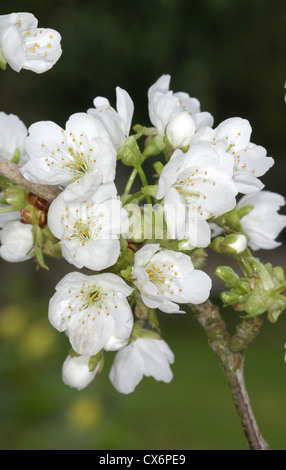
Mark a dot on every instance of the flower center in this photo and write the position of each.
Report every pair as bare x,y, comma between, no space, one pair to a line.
155,275
93,296
79,165
164,275
81,231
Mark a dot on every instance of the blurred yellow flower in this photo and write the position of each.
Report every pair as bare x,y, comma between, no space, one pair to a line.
13,320
85,413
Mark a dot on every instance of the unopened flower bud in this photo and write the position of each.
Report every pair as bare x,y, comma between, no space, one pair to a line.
279,273
153,146
229,298
227,275
180,130
16,242
129,153
16,196
184,245
76,372
256,303
237,242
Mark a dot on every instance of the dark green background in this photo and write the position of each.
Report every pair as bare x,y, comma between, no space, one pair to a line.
231,56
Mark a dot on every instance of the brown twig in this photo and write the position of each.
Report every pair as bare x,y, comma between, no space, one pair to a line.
11,172
230,352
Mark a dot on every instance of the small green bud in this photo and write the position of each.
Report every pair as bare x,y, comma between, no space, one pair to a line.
229,298
243,287
158,166
198,257
237,242
129,153
279,274
142,130
273,313
16,196
153,146
256,303
227,275
184,245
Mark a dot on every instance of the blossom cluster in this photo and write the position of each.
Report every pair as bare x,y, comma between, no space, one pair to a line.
208,173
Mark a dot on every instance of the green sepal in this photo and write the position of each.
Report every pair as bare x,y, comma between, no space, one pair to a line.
158,166
16,156
16,196
38,247
3,62
142,130
153,320
97,360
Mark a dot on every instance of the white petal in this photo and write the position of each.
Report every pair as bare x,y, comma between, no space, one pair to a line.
156,357
13,134
127,370
125,108
44,138
143,255
234,131
263,224
83,123
38,171
12,47
195,288
89,337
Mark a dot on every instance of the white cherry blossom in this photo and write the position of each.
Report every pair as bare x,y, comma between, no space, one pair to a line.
163,104
93,311
116,122
89,225
61,156
196,186
142,357
263,224
250,161
25,46
16,241
167,278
